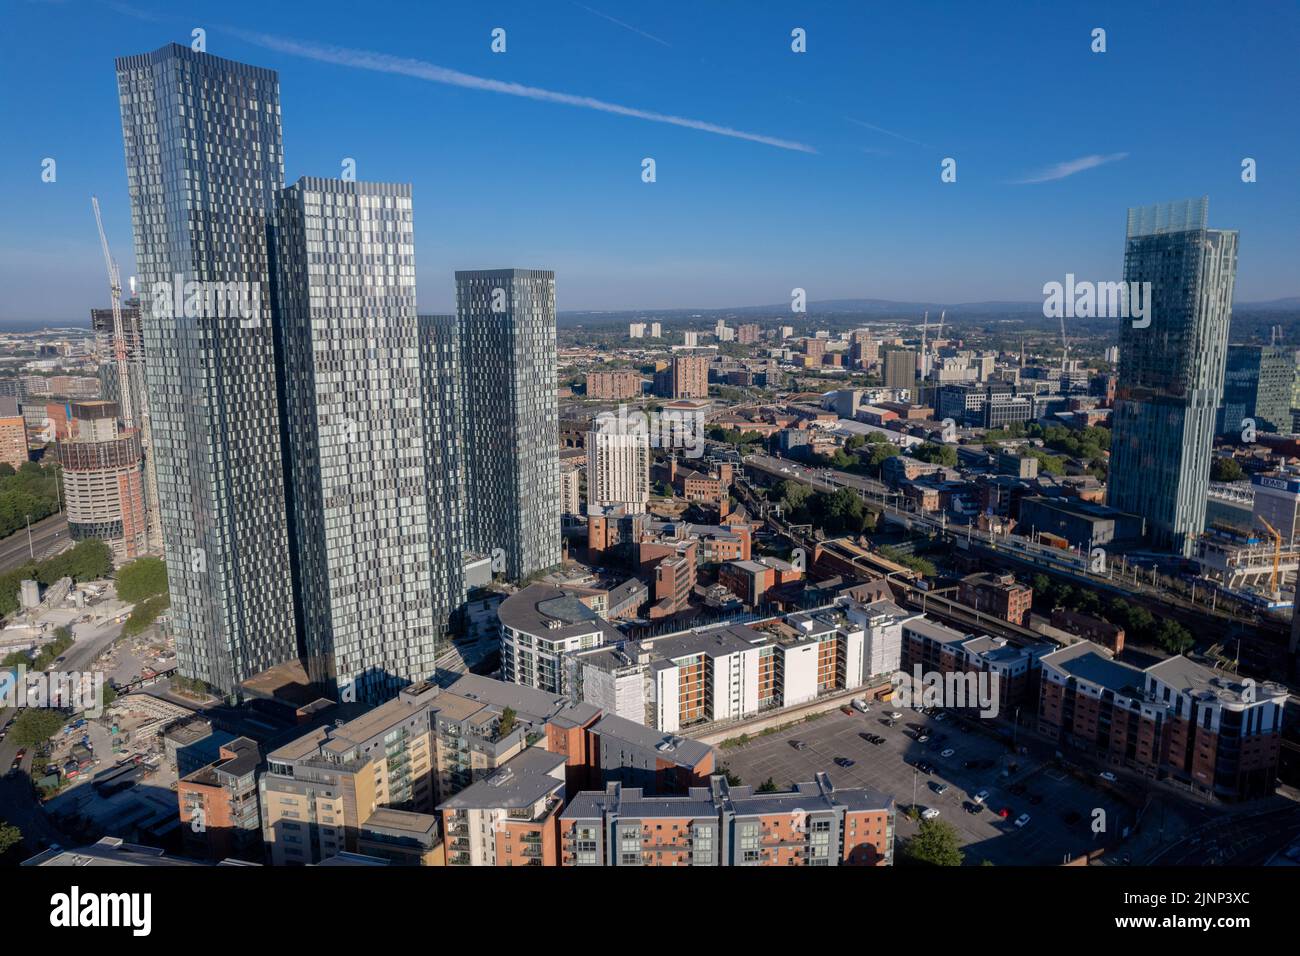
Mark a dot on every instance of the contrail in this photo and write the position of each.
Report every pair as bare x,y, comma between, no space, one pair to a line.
887,132
625,26
423,70
1061,170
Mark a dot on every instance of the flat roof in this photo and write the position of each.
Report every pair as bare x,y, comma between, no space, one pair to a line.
681,750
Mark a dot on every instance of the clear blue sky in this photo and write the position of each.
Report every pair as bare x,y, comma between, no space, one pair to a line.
885,92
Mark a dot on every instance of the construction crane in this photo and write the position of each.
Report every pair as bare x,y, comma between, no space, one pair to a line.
119,338
1277,554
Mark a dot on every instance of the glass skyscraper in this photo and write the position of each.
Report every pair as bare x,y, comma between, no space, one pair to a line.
378,572
1170,377
204,166
1257,385
510,419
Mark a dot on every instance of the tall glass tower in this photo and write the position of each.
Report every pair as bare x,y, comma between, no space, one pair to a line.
204,166
379,575
1170,380
510,418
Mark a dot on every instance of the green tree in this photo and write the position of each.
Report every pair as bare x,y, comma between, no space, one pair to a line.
507,722
1226,469
35,725
10,837
767,786
935,844
936,454
142,578
1174,638
145,613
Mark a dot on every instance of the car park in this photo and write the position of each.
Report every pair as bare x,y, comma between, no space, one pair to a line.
1035,798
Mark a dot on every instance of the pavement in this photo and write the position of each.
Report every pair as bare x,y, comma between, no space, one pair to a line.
48,534
1047,839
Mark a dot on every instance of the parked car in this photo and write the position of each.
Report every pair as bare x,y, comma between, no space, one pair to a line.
861,705
1022,819
895,715
846,709
929,813
922,737
1107,776
798,745
948,753
843,762
939,788
925,768
972,807
981,796
1004,813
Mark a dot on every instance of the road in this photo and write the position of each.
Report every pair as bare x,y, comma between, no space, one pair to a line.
47,534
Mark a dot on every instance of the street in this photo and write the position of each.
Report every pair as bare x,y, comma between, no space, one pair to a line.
47,534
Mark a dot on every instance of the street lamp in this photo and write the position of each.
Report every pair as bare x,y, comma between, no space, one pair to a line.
30,550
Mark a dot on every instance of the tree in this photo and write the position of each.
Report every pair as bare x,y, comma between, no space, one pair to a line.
767,786
935,844
35,725
507,722
1226,469
10,837
935,454
1174,638
142,578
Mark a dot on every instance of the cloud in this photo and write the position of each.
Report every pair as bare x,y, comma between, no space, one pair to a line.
1061,170
423,70
887,132
625,26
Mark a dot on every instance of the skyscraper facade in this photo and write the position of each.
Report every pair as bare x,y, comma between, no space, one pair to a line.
103,480
1257,386
900,370
373,611
510,418
1170,378
618,465
204,165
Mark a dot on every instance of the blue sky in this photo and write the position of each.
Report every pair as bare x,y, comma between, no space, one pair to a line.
829,180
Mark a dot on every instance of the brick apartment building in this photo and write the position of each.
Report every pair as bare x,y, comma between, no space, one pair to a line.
690,376
718,825
219,807
1212,732
751,580
997,594
618,384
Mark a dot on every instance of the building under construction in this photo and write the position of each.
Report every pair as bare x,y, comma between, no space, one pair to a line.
103,480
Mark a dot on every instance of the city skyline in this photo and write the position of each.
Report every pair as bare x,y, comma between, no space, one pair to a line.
887,227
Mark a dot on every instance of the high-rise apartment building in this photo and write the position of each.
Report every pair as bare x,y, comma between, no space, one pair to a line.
621,383
900,370
1170,380
618,465
13,433
377,577
510,420
690,376
204,164
101,320
1257,383
103,480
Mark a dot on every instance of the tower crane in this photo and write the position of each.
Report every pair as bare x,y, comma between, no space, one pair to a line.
1277,553
119,338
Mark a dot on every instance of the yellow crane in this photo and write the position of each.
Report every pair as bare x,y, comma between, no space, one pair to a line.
1277,554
